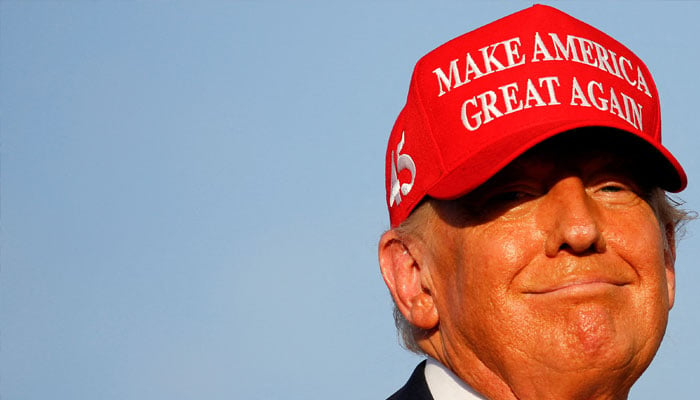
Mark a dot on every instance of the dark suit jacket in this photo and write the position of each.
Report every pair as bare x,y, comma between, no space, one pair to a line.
416,388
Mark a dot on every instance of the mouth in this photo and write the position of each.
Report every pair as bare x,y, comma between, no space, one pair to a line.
578,287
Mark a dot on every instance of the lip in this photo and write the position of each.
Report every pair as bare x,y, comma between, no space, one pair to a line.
581,285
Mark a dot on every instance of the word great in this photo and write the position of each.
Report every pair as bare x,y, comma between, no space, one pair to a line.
509,98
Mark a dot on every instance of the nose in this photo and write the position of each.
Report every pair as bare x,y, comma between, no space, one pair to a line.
573,219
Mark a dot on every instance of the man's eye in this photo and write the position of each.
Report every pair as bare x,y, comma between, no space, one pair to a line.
511,196
616,192
616,187
612,188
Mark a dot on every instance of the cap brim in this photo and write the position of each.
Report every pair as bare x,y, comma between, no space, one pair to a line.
479,167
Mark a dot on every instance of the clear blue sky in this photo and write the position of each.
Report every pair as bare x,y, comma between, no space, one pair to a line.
192,192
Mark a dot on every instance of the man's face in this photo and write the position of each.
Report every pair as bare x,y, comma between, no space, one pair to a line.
556,263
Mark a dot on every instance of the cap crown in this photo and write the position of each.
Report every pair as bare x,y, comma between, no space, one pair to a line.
482,99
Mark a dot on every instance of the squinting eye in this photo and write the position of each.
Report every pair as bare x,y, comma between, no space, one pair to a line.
612,188
511,196
615,193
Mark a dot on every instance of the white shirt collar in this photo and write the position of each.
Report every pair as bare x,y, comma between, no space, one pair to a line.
445,385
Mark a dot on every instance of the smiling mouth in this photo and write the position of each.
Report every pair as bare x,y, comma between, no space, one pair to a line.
586,286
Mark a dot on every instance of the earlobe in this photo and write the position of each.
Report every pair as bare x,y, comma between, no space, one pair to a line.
423,312
402,274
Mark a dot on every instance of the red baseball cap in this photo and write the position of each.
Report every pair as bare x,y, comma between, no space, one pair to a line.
482,99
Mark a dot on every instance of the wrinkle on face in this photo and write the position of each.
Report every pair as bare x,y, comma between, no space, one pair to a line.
521,309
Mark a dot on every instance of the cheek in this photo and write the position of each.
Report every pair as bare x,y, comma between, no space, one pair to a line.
639,241
478,298
512,252
493,255
511,246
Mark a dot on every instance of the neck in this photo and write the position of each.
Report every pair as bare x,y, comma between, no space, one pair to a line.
527,380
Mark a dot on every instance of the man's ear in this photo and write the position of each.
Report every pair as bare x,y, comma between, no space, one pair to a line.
670,261
402,274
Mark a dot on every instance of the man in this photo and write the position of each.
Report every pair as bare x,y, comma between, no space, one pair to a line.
531,250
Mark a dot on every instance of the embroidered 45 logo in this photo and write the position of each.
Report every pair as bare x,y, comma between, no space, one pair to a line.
400,162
